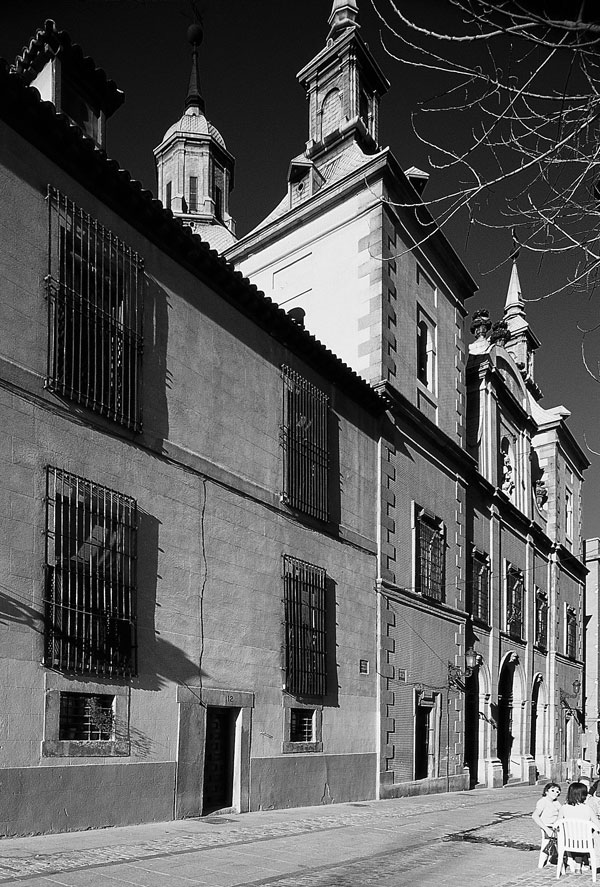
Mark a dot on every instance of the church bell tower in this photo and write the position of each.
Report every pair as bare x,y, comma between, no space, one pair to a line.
344,85
194,167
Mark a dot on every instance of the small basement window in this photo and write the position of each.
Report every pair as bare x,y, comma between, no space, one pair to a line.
86,717
302,725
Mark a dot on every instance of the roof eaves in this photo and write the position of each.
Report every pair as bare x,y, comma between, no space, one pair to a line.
49,42
65,144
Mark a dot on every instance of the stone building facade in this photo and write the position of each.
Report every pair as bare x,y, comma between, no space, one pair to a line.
591,738
242,572
188,523
479,538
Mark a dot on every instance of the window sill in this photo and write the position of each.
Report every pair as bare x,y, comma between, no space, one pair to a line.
301,748
434,598
482,623
72,748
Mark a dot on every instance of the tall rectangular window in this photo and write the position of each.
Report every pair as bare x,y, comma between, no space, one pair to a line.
305,446
571,632
168,194
218,189
479,598
90,601
305,631
569,514
426,350
430,556
193,207
514,602
541,619
95,289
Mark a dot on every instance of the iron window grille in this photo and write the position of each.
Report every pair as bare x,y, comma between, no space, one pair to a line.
431,560
479,604
305,628
541,620
301,725
514,602
571,634
305,446
86,717
90,594
95,287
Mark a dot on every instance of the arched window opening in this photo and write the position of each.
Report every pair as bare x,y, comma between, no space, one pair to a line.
331,112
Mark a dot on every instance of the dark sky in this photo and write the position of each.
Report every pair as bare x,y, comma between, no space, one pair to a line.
251,53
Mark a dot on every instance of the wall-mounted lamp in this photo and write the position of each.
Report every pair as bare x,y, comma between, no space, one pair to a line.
564,696
472,661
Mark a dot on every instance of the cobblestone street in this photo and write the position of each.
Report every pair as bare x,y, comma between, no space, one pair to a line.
452,840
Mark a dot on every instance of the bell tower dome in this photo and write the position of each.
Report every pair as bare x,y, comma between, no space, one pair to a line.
344,85
194,167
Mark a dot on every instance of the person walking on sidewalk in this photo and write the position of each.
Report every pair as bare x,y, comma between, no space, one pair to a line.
545,815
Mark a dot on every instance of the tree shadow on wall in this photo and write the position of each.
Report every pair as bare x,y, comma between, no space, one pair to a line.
15,611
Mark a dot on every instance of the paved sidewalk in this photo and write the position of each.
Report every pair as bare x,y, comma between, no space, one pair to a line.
443,840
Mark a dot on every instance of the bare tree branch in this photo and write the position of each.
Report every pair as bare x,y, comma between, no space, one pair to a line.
516,124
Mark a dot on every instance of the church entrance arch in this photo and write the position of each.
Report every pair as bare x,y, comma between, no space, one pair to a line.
472,727
509,717
536,740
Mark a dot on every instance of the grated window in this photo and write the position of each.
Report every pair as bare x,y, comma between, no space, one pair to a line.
571,634
514,599
90,603
479,605
86,717
95,288
541,620
301,725
306,652
305,446
430,574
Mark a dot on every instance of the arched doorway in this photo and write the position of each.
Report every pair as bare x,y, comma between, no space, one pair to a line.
535,697
505,716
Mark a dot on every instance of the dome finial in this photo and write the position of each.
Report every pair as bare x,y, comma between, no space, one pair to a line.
344,15
194,97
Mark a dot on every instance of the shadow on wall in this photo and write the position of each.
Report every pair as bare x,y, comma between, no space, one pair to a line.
156,376
14,611
159,661
331,700
335,474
